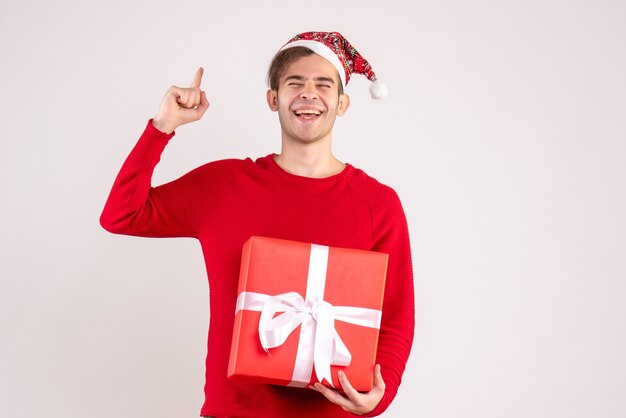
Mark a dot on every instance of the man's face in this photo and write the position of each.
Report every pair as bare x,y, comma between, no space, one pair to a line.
308,99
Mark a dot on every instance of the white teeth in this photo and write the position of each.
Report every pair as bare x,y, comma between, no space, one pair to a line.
308,112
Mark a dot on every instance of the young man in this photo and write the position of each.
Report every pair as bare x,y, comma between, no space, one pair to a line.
302,194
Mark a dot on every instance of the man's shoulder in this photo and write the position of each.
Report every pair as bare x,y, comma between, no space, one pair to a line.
383,201
369,187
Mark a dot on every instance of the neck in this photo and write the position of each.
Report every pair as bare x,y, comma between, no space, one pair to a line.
309,160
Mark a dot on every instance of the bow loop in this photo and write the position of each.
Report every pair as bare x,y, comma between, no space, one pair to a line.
274,330
328,348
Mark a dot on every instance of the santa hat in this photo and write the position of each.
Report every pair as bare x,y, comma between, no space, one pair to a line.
346,59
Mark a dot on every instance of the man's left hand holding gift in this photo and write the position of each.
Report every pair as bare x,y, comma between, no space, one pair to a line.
356,402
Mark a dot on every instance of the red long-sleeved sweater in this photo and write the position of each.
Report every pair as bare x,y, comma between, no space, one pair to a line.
222,204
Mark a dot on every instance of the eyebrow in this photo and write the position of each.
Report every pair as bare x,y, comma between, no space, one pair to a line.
301,78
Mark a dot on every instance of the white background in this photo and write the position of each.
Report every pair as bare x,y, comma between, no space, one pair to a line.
504,135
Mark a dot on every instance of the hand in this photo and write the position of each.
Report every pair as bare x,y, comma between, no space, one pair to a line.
181,105
356,402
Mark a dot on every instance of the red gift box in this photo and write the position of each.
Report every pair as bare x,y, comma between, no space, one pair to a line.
305,311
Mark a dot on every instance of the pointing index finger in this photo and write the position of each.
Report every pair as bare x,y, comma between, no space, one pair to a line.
197,79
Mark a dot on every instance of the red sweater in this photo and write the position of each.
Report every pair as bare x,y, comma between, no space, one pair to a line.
222,204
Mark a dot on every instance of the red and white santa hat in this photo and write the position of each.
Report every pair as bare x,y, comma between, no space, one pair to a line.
346,59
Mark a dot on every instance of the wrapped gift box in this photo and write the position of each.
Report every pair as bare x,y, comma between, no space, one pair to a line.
305,311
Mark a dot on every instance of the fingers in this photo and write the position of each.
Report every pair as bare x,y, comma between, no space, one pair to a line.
333,396
347,387
196,112
197,79
183,96
189,98
182,105
355,402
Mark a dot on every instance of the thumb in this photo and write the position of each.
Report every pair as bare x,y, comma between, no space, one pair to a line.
378,378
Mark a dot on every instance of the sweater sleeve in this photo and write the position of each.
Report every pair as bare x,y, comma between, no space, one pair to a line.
134,207
391,236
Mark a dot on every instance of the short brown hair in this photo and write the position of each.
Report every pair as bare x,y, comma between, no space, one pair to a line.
284,59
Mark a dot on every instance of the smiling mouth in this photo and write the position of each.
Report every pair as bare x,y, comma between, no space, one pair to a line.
307,113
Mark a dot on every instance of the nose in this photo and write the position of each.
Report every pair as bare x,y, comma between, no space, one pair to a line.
309,91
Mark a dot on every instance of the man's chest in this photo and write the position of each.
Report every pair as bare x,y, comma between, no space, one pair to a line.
337,217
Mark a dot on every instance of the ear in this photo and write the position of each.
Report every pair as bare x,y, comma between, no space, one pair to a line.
344,104
272,99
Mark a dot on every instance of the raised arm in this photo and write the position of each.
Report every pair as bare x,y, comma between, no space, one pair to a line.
134,207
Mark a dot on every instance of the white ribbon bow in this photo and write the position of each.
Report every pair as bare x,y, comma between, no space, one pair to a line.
320,345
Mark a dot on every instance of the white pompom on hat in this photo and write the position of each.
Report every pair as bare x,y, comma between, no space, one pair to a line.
346,59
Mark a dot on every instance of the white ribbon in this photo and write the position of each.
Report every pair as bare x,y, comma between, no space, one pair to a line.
319,345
